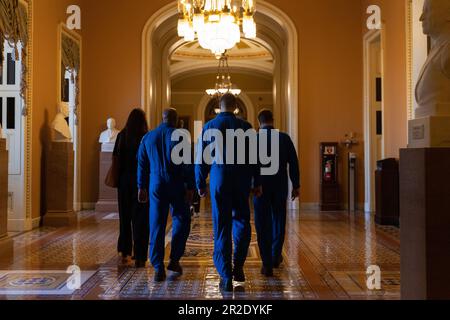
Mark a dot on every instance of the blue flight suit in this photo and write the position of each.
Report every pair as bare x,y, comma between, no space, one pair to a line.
166,184
230,187
270,208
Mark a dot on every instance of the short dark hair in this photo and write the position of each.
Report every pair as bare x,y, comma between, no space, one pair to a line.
228,101
170,116
265,116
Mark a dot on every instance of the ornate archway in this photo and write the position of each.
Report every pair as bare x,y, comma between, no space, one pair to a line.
213,109
275,29
246,101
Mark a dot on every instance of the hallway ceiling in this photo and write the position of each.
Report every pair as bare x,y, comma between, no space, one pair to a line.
245,50
248,56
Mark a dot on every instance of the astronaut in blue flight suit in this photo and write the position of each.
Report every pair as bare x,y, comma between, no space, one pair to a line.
230,187
270,208
167,186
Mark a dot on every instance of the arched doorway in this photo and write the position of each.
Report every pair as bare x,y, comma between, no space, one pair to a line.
276,31
246,101
213,109
194,69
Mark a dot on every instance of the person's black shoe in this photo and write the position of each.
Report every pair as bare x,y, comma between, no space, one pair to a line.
226,285
160,275
139,264
277,262
268,272
175,266
238,274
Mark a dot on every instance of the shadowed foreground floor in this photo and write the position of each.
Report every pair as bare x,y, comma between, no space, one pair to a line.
326,257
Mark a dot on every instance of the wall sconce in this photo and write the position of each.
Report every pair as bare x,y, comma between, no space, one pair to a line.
350,140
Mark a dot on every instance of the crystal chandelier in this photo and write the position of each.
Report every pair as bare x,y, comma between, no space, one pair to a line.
216,23
223,80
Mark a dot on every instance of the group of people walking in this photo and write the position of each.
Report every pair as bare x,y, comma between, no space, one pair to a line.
151,182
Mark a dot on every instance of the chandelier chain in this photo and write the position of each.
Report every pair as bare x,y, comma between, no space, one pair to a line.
223,80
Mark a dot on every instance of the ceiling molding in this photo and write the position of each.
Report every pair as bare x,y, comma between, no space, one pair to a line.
246,49
263,69
195,92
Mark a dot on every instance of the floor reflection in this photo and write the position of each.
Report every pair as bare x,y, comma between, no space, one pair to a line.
326,257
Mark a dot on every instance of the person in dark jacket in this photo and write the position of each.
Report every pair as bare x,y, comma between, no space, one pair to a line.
134,223
270,208
167,186
230,187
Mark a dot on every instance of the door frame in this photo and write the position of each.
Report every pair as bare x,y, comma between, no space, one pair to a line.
25,220
159,40
77,204
369,163
15,141
201,108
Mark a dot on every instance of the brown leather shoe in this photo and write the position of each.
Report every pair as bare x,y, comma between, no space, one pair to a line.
125,259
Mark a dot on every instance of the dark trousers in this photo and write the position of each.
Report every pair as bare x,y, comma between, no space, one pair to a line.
231,219
196,202
270,224
165,196
134,222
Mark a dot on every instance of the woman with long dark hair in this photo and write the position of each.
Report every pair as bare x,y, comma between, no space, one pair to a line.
134,225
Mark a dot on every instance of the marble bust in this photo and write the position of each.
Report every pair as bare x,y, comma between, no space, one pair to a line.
109,136
61,131
433,86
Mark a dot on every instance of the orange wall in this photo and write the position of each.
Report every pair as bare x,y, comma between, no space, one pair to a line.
330,83
330,76
111,74
395,81
47,14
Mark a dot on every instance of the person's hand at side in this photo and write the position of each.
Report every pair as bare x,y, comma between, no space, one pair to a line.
142,196
295,194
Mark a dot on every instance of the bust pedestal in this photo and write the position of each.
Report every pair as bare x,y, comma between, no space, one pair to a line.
429,132
59,185
107,201
425,223
3,188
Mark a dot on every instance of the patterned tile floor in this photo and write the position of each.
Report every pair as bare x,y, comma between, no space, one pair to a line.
326,257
